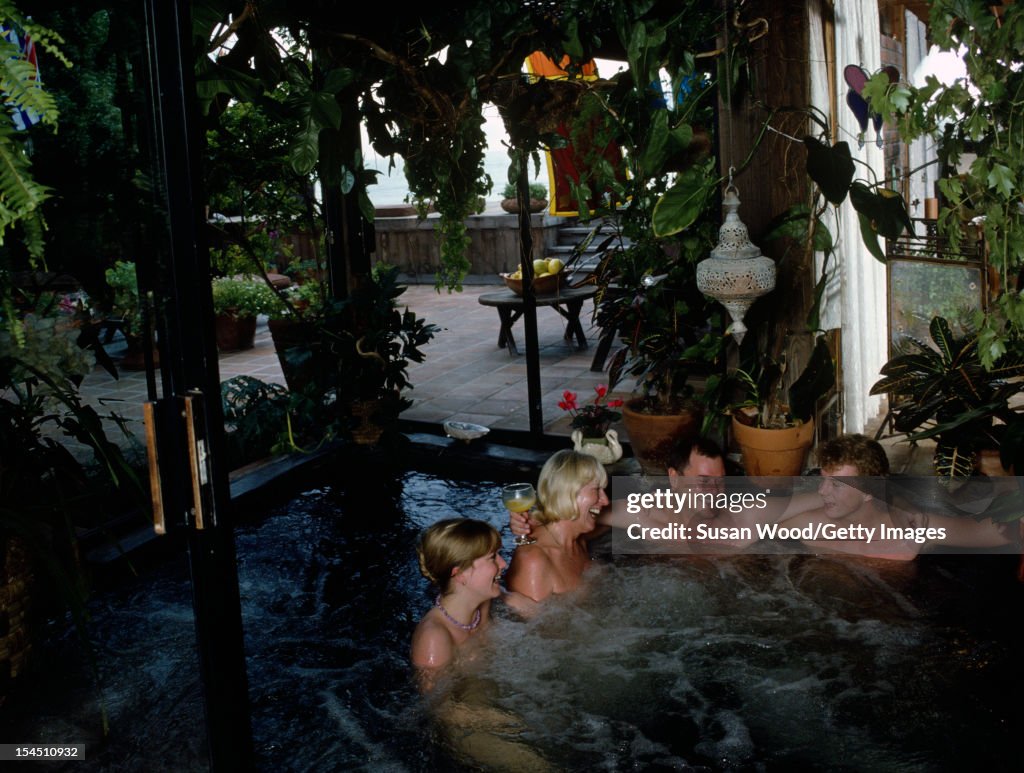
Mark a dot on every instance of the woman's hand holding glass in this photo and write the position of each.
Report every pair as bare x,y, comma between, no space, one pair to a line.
518,498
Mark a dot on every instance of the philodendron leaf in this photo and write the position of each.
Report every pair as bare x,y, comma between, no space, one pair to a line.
870,238
682,203
814,383
831,168
305,150
654,153
885,209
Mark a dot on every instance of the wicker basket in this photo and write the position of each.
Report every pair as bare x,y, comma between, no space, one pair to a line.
542,285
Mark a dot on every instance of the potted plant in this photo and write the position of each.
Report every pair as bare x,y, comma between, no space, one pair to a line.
47,494
672,339
538,198
944,391
591,424
374,341
237,301
293,318
126,308
774,425
346,361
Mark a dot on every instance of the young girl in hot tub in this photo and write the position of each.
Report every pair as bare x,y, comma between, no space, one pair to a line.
460,556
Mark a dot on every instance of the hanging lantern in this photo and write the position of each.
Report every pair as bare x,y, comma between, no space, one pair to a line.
737,273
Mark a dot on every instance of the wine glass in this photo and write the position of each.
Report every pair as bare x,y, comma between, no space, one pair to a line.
519,497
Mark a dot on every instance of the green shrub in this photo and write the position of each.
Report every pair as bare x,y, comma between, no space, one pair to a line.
126,303
537,191
243,297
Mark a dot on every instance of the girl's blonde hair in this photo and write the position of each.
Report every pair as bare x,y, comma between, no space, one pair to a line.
561,478
454,543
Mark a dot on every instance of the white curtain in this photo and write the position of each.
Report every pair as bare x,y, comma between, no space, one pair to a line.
922,181
855,299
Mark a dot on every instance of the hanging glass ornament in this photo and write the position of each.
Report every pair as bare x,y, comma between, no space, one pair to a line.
737,273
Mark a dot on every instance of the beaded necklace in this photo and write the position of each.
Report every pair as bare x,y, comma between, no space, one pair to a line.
472,624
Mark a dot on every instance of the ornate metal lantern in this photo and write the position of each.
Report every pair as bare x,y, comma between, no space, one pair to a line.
737,273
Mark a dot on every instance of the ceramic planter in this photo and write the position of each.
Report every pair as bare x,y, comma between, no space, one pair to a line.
235,333
654,436
773,452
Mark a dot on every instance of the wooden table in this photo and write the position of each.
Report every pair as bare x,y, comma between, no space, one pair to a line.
567,302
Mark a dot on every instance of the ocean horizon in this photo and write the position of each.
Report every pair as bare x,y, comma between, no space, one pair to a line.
392,189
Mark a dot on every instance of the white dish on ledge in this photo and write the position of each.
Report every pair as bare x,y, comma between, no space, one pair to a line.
462,430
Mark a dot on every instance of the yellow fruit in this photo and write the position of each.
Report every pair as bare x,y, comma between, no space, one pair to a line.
555,265
540,266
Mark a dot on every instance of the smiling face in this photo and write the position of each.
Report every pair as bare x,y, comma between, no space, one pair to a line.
484,573
840,499
590,500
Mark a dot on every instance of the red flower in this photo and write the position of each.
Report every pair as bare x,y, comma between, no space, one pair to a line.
593,418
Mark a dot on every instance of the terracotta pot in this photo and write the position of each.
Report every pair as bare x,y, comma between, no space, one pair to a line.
987,462
773,452
135,355
512,205
235,333
654,436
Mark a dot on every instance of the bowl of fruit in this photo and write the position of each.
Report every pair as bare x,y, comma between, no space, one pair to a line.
547,277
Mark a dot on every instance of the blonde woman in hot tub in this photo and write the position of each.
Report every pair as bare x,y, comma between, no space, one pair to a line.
570,494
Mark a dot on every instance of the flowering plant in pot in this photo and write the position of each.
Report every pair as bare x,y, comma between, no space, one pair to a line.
591,424
237,301
593,419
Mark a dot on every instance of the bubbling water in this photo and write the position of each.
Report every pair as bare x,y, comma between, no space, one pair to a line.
736,663
744,663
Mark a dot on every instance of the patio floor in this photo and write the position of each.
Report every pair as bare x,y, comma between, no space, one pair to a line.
465,376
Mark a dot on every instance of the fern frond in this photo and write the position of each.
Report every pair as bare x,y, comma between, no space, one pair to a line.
48,39
22,90
20,194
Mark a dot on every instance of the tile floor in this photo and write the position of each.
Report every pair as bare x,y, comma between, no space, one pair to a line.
465,375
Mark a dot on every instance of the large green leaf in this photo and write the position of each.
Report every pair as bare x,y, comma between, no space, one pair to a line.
869,236
656,149
794,223
885,209
305,149
682,204
831,168
814,383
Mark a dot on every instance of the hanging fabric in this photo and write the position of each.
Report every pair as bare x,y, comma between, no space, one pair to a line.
567,165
